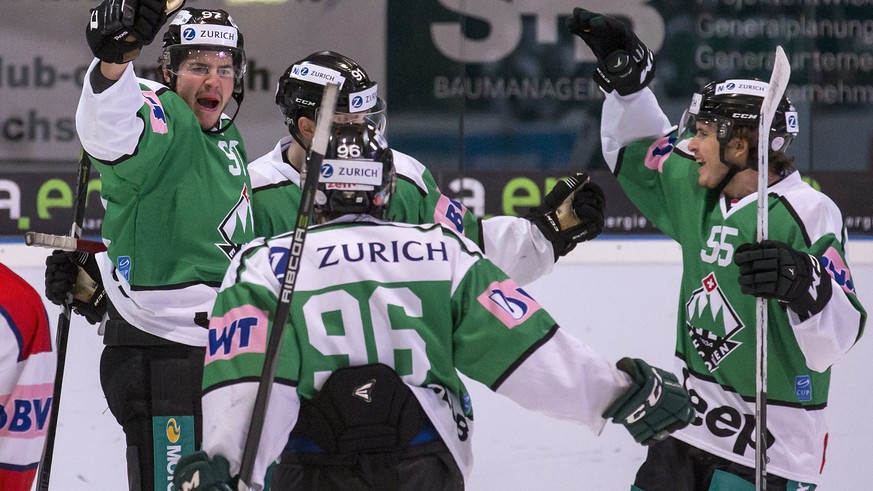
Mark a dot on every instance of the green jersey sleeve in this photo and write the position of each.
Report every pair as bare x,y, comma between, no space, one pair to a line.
661,182
498,324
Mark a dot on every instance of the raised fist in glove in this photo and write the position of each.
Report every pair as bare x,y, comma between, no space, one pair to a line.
73,278
772,270
624,63
118,29
571,213
655,404
196,472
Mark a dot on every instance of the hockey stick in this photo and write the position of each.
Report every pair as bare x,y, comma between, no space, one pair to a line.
309,178
66,243
63,331
778,84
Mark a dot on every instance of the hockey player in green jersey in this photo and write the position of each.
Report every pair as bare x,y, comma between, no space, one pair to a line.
524,248
383,317
699,186
176,190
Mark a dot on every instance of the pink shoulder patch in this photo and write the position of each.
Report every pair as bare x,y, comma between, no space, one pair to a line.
508,302
450,213
157,116
658,153
833,263
241,330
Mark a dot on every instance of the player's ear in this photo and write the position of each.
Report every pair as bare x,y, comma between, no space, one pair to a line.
166,75
307,127
739,149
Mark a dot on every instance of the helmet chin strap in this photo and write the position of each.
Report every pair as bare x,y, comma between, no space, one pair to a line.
238,97
295,133
733,170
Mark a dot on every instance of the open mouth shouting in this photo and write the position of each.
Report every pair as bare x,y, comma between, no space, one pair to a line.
208,102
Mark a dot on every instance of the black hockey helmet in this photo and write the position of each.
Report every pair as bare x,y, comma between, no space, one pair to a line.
300,88
357,175
194,30
732,103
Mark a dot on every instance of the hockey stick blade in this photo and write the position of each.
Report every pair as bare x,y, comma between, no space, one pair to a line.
309,179
778,84
63,242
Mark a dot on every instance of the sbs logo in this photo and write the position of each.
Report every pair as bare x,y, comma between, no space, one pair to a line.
174,431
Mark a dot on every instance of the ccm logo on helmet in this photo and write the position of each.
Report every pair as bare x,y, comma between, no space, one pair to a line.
744,116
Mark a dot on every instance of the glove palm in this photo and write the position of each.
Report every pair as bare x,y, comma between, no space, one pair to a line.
572,212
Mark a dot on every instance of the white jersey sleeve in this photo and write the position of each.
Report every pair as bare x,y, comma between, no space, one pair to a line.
518,247
107,122
630,118
566,365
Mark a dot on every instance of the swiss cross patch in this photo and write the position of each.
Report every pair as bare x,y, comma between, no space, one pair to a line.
709,283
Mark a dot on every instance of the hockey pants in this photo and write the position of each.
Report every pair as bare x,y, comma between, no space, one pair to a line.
154,391
673,465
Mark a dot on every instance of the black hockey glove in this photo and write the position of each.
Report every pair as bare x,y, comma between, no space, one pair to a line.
624,63
571,213
655,404
74,278
196,472
772,270
118,29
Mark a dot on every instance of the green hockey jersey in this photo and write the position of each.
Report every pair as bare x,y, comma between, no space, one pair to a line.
716,328
177,204
418,298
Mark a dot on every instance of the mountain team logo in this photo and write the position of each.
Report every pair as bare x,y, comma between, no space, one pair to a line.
712,323
236,223
174,431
